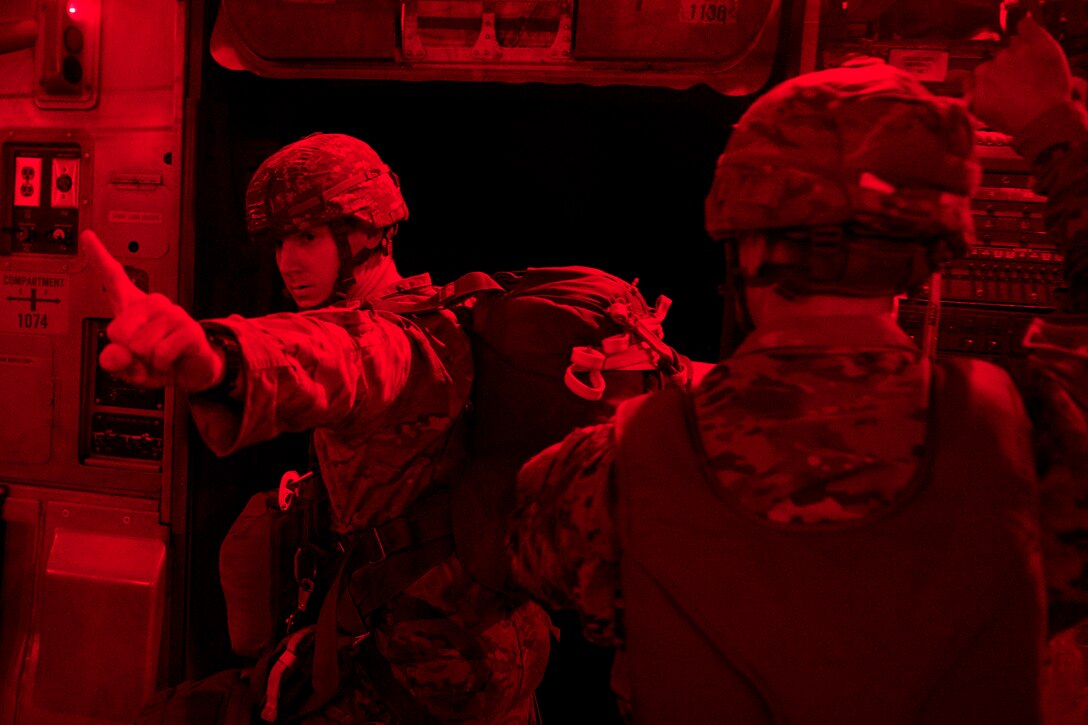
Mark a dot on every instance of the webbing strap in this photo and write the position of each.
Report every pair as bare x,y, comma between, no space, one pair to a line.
833,261
416,526
468,285
326,669
286,661
381,563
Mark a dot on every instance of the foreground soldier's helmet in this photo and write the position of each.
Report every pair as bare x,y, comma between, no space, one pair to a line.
322,179
864,147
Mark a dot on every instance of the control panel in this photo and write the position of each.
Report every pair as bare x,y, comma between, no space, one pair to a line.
1011,275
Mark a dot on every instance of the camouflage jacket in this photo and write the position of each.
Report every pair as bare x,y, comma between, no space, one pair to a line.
382,393
827,433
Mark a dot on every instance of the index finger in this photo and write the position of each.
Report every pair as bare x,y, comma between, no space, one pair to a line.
115,282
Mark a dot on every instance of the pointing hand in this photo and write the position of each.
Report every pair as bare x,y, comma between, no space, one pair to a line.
153,341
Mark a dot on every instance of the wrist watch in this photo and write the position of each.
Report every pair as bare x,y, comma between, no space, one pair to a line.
227,343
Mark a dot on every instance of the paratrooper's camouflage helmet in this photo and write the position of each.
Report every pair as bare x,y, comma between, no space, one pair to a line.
319,179
864,145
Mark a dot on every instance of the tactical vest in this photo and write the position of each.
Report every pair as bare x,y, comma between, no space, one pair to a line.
929,612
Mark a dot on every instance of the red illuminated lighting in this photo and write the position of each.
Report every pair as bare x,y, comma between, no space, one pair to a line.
71,8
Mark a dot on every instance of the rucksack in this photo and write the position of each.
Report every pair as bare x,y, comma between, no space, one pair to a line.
554,349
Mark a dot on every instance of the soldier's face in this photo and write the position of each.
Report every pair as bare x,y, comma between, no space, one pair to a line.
309,263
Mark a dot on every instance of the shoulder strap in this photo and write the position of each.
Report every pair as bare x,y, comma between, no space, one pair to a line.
466,286
469,285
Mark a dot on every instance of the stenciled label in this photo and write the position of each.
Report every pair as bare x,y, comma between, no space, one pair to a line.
708,13
34,302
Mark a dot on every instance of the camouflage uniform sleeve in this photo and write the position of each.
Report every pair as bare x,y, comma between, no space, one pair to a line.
1056,386
305,370
562,540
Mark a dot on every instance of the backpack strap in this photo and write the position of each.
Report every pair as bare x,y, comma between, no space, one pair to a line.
468,285
462,288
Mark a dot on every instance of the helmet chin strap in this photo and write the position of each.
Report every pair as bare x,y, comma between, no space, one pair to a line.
378,271
349,261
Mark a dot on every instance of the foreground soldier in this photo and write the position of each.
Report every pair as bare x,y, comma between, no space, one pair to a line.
383,394
831,528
